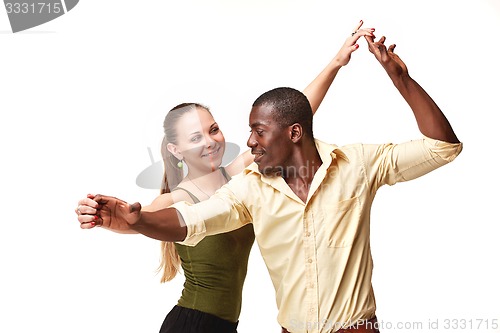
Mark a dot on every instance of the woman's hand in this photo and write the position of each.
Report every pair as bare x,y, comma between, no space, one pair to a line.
350,45
108,212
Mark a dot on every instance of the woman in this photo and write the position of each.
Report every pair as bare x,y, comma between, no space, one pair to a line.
215,269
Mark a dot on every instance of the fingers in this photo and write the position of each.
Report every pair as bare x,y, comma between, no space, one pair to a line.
135,207
378,46
391,48
362,32
97,221
358,33
87,225
86,211
358,26
104,199
370,39
88,221
99,198
89,202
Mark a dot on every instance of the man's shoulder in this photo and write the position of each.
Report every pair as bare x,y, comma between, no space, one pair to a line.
333,146
344,151
248,175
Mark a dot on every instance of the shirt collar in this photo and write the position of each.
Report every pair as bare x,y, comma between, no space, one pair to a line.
327,152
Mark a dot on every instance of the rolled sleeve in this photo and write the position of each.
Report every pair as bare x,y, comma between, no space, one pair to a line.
195,224
444,150
223,212
392,163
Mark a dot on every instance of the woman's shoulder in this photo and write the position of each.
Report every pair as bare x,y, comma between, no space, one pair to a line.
167,199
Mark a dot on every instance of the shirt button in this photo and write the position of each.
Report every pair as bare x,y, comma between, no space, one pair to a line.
309,260
308,234
311,310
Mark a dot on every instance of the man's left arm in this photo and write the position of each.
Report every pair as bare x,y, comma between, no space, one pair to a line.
430,119
390,163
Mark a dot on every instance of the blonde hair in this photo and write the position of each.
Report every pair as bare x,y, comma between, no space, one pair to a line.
170,262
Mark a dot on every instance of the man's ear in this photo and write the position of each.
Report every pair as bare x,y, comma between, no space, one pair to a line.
296,132
174,151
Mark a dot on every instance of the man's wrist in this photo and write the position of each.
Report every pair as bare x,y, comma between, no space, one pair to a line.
139,222
401,80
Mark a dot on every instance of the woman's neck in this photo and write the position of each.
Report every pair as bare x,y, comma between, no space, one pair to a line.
203,185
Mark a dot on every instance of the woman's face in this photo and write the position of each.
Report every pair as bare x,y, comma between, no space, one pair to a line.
200,141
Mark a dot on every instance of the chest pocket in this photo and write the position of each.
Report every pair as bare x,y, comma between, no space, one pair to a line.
342,221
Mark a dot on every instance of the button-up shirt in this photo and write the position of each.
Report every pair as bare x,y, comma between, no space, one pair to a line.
318,251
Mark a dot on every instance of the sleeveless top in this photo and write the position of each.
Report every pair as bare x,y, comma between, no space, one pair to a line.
215,270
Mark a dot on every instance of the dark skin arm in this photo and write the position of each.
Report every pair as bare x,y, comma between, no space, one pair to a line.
431,121
119,216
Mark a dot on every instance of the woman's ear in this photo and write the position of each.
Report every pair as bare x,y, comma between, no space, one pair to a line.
174,151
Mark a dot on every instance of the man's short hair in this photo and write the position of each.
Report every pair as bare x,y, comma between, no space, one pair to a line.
289,106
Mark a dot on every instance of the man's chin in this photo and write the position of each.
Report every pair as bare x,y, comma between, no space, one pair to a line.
268,171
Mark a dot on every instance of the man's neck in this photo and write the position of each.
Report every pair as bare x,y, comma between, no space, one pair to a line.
299,174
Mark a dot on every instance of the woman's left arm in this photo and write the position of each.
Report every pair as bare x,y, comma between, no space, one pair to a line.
317,89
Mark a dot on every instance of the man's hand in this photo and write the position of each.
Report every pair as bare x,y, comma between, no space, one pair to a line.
108,212
391,62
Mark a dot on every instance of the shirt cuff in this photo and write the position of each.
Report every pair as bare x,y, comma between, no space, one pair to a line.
195,224
445,150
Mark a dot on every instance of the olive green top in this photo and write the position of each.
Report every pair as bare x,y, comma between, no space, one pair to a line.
215,270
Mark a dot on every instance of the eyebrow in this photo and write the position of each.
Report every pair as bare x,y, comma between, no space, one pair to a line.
198,132
258,123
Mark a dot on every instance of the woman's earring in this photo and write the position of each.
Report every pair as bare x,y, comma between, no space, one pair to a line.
180,164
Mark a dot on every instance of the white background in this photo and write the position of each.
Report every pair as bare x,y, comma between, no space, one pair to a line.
83,97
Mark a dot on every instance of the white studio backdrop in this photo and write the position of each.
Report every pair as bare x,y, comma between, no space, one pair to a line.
83,98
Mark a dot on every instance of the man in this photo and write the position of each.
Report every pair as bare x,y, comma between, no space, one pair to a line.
309,203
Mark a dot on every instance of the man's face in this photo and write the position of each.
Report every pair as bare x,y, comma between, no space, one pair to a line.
270,144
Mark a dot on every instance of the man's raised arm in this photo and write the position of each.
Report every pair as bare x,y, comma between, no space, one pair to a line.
431,121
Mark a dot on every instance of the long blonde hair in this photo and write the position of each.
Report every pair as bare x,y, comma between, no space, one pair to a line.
170,262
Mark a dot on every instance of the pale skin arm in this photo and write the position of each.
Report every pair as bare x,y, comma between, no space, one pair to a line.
430,119
317,89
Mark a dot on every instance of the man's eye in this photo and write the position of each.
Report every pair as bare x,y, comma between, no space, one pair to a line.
195,138
259,132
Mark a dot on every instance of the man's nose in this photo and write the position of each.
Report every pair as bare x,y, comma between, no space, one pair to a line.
251,142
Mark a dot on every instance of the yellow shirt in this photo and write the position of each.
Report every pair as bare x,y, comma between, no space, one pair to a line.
317,252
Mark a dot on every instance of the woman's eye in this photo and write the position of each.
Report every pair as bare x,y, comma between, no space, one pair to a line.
196,138
214,130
